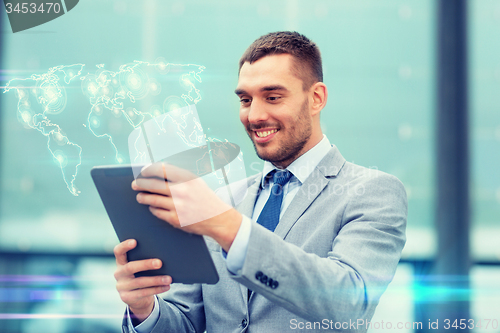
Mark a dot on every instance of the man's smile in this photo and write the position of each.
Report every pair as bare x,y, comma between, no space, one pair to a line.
262,136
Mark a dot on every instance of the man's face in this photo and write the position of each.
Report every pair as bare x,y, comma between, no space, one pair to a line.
275,109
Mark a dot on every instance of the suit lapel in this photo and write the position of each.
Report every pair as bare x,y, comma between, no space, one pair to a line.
311,188
329,167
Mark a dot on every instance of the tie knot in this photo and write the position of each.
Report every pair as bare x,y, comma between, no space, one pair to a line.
281,176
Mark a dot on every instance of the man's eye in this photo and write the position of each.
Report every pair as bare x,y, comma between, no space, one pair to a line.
273,98
245,100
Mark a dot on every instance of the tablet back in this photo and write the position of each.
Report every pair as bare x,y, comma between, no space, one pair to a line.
185,256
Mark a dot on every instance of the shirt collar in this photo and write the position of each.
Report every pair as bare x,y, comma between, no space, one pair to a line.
303,166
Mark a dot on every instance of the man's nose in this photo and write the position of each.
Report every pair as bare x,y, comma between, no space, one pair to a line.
258,112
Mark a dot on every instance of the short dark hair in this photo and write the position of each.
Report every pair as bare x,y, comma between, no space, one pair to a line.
305,52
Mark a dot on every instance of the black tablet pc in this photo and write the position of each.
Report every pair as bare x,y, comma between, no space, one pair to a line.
185,256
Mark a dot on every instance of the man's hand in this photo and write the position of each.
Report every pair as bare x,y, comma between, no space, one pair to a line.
197,208
139,292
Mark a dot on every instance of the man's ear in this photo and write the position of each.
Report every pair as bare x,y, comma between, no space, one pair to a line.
318,97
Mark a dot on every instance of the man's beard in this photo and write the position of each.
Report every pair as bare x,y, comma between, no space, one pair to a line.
291,147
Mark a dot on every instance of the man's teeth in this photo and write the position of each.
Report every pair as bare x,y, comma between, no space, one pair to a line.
266,133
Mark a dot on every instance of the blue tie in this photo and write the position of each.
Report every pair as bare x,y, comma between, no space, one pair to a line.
270,215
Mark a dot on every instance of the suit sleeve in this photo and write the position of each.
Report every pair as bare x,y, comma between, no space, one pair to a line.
180,311
347,284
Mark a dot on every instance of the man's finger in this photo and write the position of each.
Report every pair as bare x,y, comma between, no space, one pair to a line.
134,295
166,215
167,171
155,200
121,250
143,282
176,174
151,185
139,266
153,170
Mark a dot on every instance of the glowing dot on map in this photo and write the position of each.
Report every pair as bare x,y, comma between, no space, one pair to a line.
134,81
61,158
172,103
26,116
95,122
156,110
154,86
185,82
162,65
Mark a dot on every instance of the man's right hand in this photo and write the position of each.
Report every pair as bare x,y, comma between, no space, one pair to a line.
138,293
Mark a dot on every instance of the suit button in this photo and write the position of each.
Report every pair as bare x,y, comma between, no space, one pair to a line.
244,323
274,285
270,282
263,279
259,275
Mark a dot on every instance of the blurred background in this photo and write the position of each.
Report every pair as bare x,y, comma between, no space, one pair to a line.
382,68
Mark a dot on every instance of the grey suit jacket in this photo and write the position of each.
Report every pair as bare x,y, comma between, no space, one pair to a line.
331,257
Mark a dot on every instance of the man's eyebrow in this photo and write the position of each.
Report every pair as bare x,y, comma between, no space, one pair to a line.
266,88
272,88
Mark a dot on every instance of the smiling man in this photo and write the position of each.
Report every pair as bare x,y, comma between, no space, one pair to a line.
313,245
